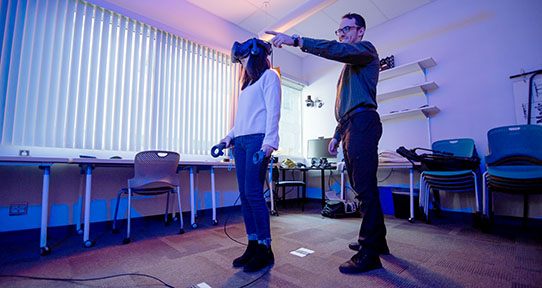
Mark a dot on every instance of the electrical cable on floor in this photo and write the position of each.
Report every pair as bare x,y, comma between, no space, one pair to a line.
226,232
85,279
244,244
260,277
226,223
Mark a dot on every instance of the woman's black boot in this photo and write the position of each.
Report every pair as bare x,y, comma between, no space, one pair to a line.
261,259
243,260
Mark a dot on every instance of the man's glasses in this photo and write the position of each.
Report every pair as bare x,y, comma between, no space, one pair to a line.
345,29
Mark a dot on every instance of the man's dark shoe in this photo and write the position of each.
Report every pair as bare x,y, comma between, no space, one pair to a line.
383,250
360,263
262,258
243,260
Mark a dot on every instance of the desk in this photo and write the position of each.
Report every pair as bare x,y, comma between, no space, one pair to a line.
45,164
389,165
89,163
305,169
212,166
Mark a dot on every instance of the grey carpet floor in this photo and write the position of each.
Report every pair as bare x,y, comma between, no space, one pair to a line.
447,253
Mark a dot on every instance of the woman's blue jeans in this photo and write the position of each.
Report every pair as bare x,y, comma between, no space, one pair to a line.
250,178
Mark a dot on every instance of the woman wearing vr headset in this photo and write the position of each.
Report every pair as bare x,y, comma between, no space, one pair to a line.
255,128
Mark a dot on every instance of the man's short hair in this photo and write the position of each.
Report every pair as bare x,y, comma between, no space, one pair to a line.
360,21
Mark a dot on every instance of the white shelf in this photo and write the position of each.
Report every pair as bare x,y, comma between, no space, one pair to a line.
407,68
425,111
425,88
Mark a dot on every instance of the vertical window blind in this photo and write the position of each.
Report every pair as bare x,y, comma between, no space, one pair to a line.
290,119
74,75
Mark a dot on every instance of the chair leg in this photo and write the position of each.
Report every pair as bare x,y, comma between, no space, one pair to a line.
115,230
484,195
284,196
436,203
297,196
166,222
127,239
181,231
275,199
476,192
525,209
421,195
490,205
426,204
303,199
477,218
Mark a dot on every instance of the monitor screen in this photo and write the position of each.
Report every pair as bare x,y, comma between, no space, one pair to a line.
317,148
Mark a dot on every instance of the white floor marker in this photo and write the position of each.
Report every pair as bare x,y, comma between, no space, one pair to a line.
302,252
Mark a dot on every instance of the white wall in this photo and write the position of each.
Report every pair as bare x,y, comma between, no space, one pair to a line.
477,45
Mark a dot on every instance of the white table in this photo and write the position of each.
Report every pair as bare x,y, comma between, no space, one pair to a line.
89,163
196,165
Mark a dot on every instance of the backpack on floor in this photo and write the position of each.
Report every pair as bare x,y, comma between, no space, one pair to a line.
340,209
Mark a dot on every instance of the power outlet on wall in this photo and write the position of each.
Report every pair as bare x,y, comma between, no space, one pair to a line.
16,209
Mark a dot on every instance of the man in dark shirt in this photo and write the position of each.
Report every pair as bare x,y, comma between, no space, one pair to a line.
359,128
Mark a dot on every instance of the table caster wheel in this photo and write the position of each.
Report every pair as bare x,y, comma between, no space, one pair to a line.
80,232
181,231
88,244
45,251
195,225
215,222
411,220
126,241
274,213
176,219
115,231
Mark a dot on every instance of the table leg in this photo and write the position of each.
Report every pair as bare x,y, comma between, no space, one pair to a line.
192,211
323,183
80,203
273,211
283,188
86,227
411,219
343,196
213,196
44,249
304,196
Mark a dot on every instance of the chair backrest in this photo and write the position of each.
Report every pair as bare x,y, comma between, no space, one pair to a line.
463,147
517,143
153,169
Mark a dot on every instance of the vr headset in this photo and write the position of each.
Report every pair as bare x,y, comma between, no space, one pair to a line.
250,47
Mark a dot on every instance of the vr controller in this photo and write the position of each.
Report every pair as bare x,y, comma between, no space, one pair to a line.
217,150
258,157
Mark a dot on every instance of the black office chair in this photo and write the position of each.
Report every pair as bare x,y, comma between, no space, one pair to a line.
289,183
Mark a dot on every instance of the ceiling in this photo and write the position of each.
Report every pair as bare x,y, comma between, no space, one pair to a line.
319,18
313,18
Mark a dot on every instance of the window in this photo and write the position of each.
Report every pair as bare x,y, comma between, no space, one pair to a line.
290,119
78,76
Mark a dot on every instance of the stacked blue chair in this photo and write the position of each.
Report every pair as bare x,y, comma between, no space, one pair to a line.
155,172
454,181
514,164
